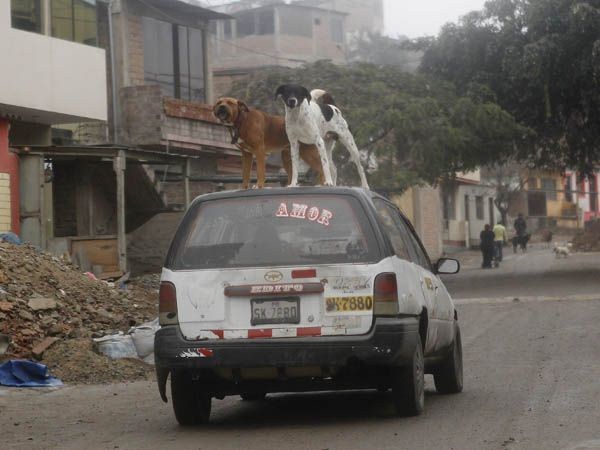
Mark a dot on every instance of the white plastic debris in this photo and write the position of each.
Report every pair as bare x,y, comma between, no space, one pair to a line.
143,338
117,346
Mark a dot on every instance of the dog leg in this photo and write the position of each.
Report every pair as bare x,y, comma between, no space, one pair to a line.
295,153
261,166
246,168
286,160
330,145
312,158
348,142
324,161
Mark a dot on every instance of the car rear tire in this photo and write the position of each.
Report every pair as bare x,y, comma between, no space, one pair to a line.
253,396
408,384
449,376
190,404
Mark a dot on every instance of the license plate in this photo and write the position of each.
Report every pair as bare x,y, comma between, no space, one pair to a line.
280,310
358,303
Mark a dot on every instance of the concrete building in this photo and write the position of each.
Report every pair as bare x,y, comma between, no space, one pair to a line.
274,35
552,199
363,16
467,205
53,73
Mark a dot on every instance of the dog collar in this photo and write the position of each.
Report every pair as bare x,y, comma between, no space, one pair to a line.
237,123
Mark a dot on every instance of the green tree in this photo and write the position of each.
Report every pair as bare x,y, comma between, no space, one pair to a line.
540,60
419,128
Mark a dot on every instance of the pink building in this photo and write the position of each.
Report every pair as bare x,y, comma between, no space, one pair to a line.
583,191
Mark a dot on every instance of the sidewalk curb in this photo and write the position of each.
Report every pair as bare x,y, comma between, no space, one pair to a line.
525,299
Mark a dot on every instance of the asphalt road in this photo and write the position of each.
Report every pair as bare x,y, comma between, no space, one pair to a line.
532,381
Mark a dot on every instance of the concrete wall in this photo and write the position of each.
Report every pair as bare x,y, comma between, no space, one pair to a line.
9,184
422,206
50,80
460,226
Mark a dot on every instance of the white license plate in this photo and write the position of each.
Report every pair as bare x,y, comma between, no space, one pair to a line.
280,310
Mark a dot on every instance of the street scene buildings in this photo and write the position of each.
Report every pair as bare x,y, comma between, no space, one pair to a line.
109,131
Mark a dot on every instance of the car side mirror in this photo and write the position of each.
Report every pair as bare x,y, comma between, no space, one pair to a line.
447,266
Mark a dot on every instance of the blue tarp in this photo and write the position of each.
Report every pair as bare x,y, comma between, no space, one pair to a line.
11,238
23,373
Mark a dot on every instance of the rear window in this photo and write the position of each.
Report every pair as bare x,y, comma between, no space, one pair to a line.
275,230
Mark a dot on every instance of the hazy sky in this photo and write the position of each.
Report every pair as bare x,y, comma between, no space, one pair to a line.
415,18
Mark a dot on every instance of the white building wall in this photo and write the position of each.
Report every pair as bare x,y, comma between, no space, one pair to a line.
49,80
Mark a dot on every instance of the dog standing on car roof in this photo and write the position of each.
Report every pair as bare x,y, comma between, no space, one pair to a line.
313,118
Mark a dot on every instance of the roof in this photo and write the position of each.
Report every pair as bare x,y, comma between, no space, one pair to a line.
289,6
188,7
306,190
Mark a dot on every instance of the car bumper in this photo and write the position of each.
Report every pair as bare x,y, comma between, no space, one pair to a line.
391,342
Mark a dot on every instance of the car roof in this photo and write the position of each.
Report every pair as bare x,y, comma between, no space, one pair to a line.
303,190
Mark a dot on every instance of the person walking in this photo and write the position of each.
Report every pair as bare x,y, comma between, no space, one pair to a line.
500,237
486,239
521,230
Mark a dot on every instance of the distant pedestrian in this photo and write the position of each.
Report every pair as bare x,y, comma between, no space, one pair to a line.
486,238
521,237
500,237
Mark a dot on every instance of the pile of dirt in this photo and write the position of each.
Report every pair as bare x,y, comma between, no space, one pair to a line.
588,240
45,300
77,361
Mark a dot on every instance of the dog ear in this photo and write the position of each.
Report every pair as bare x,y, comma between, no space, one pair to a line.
279,91
306,94
242,106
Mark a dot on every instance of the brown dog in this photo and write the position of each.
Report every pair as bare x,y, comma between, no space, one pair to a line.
258,134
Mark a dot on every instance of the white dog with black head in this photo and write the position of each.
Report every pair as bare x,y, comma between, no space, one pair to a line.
313,118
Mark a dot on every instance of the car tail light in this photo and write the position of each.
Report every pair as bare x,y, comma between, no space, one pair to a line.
304,273
385,295
167,303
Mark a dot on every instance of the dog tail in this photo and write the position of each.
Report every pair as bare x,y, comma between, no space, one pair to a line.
322,97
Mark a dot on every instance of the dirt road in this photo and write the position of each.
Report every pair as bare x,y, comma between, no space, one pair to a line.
532,381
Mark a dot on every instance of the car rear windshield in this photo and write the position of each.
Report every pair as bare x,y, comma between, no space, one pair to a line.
275,230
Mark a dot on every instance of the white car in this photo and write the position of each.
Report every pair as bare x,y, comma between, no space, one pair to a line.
302,289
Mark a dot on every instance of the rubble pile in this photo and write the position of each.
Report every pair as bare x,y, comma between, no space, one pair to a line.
46,302
588,240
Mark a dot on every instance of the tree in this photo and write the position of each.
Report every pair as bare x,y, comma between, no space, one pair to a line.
419,128
540,61
508,180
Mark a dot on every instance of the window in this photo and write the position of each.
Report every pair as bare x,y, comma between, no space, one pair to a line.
549,187
74,20
337,30
568,189
448,202
174,59
384,211
467,209
419,255
295,23
191,65
479,207
593,180
274,230
158,55
26,15
227,29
